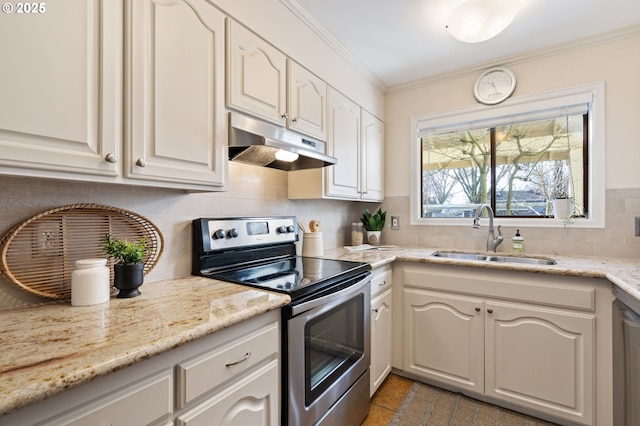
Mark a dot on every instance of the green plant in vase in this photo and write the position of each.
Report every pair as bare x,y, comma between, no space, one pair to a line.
128,266
374,224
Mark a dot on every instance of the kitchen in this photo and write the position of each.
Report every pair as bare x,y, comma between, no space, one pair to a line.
251,190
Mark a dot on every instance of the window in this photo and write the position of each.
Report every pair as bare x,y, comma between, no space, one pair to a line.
516,157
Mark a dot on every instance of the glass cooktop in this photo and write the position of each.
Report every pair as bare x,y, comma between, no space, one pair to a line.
295,276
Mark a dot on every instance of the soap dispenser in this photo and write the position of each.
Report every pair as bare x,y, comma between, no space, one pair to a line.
517,243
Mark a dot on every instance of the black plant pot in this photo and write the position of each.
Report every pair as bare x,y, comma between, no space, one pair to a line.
127,279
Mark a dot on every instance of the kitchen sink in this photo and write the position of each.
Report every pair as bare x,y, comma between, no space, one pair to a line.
495,258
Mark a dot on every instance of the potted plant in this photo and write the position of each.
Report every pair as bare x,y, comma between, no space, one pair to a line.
128,266
562,208
373,224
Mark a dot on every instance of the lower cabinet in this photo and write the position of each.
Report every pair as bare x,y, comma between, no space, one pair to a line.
381,310
528,345
231,377
252,400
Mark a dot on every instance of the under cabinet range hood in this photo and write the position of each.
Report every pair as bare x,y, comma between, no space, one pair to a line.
259,143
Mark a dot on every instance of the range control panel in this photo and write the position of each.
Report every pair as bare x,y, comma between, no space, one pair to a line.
227,233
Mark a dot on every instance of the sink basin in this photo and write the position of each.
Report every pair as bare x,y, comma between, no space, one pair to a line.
495,258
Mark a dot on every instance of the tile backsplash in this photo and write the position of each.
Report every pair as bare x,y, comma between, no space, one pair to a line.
255,191
617,239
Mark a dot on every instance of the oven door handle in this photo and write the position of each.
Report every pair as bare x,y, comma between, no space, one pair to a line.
345,292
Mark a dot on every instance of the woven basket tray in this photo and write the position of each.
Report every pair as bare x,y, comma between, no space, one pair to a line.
39,254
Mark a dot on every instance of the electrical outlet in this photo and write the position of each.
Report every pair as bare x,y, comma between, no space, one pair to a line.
395,222
47,238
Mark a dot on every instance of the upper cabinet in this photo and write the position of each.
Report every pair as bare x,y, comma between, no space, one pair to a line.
261,81
256,75
371,158
356,138
61,90
175,93
82,101
307,102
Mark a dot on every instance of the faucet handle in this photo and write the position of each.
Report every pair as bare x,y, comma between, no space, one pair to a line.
500,231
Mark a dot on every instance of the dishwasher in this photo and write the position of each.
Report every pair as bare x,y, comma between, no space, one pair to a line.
626,358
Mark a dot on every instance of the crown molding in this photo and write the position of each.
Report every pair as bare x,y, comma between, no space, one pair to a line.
582,43
310,21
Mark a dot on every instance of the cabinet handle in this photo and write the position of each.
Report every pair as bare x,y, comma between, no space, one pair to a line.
294,120
141,163
383,283
246,357
375,311
285,115
477,309
111,158
490,311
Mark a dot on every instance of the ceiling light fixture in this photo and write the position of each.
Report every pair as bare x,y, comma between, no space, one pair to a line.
473,21
287,156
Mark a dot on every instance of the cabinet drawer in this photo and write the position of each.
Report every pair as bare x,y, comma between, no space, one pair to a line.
139,404
252,400
204,372
381,280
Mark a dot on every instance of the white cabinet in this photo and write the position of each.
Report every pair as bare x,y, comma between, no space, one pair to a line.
445,338
61,90
371,186
307,102
256,75
356,138
231,377
262,82
126,92
138,403
251,400
175,92
515,339
381,310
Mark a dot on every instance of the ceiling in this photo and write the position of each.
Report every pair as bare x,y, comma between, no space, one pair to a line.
401,41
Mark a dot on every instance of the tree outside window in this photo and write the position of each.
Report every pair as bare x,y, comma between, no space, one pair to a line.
517,168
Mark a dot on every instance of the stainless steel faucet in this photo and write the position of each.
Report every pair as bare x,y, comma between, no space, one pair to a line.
492,241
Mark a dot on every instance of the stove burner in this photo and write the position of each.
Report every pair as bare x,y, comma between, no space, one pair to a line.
261,255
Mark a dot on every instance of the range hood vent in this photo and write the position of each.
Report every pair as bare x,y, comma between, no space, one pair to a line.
259,143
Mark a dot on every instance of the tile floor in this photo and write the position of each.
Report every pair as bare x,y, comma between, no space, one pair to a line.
387,400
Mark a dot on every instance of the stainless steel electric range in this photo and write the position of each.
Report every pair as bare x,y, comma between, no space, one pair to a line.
326,328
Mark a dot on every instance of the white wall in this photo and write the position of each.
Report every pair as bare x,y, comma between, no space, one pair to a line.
615,62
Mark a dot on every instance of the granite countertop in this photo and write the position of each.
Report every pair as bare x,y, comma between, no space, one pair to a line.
623,273
83,343
49,348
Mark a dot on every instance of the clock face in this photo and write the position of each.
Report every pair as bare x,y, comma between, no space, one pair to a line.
494,86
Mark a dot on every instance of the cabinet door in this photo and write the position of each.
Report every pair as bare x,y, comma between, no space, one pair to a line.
307,102
372,153
177,129
250,400
380,339
256,76
541,359
61,89
343,138
444,338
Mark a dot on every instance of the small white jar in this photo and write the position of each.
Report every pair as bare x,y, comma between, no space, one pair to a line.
90,282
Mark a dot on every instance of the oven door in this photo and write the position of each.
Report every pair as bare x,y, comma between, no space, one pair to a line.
328,344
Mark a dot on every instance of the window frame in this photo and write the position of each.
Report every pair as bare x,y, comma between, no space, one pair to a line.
592,94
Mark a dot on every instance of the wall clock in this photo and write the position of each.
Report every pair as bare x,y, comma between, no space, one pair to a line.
494,85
